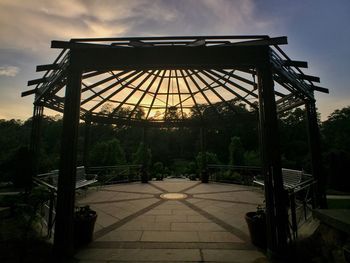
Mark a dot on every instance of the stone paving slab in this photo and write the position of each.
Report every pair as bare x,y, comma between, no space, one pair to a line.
170,236
205,236
233,256
121,235
135,225
141,255
174,185
196,227
133,187
156,226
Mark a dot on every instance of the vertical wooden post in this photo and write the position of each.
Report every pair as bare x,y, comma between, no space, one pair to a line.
275,195
64,226
34,146
315,152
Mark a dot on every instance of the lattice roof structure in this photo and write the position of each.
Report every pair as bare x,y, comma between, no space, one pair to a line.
146,82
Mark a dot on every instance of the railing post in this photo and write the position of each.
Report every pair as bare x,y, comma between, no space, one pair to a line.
51,208
293,215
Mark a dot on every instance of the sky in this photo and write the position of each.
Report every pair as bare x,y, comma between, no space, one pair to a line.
318,32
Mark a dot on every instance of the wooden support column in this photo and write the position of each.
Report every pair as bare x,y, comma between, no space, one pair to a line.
315,154
275,195
64,226
34,146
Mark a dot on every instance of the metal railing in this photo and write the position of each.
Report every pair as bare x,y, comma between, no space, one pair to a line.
105,175
301,201
301,198
233,173
116,174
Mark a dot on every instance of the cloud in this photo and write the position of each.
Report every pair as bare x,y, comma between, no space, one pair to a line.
9,71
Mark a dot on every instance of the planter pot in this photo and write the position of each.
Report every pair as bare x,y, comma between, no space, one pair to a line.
84,228
257,228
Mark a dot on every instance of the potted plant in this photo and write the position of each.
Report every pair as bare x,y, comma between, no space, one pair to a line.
257,226
84,223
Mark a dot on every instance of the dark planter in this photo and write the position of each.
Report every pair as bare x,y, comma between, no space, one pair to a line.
84,224
144,175
205,177
257,228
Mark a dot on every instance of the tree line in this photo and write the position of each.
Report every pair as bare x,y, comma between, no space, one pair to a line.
232,138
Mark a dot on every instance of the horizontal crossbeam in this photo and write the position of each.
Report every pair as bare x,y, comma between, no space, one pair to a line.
295,63
167,57
28,92
46,67
320,89
37,81
310,78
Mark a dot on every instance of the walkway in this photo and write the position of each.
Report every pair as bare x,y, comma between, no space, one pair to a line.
135,224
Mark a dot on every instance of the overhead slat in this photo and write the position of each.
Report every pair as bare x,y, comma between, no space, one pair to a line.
308,77
197,43
36,81
72,45
46,67
262,42
139,43
28,92
295,63
320,89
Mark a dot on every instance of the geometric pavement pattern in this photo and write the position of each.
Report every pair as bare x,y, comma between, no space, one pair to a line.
135,224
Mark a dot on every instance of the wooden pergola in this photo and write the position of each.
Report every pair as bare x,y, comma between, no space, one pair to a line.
157,78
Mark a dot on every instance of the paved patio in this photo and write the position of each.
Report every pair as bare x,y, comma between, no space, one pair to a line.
135,224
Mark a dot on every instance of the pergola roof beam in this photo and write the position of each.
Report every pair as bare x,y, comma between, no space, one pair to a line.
47,67
131,93
114,76
178,89
295,63
308,77
74,45
249,92
192,96
137,73
262,42
93,74
37,81
320,89
213,90
217,80
231,74
203,94
110,86
28,92
144,93
168,38
156,93
167,96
